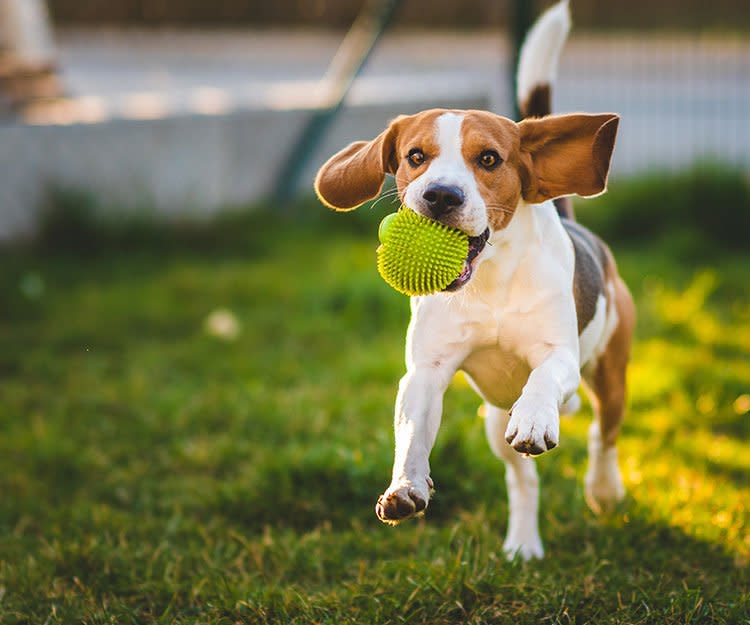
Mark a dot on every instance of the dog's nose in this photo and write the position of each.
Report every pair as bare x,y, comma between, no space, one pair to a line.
442,198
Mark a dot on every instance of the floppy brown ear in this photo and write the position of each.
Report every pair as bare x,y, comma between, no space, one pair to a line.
566,154
356,174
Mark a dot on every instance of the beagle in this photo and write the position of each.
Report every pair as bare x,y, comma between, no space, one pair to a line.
539,304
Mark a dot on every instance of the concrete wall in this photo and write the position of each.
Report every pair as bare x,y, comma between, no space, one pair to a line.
191,165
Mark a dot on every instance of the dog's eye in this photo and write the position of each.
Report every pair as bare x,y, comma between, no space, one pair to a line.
489,159
415,157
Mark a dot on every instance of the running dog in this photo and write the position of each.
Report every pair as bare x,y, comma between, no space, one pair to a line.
539,304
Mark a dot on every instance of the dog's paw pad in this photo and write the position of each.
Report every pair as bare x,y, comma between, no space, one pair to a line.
530,447
400,504
533,428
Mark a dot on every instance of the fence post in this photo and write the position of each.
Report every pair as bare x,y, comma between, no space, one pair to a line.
346,65
521,20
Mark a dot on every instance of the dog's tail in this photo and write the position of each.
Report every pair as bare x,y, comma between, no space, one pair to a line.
537,69
537,62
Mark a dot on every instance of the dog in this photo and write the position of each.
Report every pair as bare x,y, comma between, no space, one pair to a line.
539,305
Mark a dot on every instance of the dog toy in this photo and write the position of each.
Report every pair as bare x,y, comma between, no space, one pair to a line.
418,255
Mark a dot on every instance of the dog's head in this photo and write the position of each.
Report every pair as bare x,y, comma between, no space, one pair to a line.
471,169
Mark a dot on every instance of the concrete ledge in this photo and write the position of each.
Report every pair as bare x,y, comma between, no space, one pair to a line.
193,165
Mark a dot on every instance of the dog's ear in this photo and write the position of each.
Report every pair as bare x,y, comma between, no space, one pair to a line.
566,154
356,174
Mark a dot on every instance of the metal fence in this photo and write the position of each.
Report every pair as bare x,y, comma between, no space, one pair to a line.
682,98
199,119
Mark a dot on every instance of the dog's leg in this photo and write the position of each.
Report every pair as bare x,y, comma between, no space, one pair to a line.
606,384
534,425
419,407
523,490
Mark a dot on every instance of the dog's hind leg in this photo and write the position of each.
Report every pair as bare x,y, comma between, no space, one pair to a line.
523,490
605,382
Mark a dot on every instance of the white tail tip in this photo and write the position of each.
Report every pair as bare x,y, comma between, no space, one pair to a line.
537,63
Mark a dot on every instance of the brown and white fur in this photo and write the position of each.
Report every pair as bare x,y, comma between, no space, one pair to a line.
536,309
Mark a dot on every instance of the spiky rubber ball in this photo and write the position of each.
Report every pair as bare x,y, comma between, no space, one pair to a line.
418,255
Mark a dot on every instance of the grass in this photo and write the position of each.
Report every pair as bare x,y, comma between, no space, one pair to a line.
153,471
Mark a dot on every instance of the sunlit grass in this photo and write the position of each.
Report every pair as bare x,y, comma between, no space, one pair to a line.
198,433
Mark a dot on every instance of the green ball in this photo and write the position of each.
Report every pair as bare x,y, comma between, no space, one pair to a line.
385,225
418,255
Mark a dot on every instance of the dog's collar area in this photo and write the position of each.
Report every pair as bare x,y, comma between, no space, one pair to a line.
476,245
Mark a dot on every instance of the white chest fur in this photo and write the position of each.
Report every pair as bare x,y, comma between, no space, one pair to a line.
518,304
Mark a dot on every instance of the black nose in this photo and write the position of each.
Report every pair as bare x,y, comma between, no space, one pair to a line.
442,198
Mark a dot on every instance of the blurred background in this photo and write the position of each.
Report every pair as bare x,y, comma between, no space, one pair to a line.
188,108
198,361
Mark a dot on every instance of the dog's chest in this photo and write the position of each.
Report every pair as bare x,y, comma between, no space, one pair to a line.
496,365
497,374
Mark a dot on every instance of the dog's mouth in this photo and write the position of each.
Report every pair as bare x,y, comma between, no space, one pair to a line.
476,245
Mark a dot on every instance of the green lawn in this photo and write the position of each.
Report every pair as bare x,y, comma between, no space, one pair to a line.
153,472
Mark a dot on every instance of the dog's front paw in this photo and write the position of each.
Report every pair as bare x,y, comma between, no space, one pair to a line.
534,426
401,502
